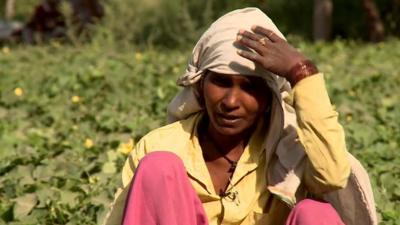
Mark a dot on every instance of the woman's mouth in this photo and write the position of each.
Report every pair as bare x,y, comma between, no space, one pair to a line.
228,120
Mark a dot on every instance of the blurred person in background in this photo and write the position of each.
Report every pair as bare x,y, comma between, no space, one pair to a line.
48,22
86,12
252,139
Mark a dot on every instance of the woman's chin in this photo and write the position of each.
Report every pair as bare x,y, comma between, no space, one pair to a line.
229,130
233,128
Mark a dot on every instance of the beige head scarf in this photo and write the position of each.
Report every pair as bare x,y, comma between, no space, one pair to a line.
215,51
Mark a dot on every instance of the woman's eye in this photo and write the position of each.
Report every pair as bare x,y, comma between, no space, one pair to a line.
220,81
248,86
254,86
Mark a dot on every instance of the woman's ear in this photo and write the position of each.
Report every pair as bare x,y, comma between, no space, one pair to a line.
199,88
199,91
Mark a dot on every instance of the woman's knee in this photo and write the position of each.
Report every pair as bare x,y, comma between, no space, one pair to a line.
310,212
158,169
159,162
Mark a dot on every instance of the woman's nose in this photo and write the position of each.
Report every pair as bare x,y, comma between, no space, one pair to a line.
230,100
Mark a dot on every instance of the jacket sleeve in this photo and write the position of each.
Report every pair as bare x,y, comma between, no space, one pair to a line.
116,210
327,164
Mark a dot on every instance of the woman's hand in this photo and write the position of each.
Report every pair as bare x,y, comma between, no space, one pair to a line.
275,54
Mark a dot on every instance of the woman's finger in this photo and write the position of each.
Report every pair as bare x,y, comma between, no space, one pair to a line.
250,35
251,56
255,45
268,33
256,37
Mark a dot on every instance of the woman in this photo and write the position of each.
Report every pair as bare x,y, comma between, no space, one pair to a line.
247,146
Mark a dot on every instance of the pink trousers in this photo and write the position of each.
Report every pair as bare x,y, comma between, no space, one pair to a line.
161,194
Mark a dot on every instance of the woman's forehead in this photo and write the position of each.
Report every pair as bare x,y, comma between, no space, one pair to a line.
237,76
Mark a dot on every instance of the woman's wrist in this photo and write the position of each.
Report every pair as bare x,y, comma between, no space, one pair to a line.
301,70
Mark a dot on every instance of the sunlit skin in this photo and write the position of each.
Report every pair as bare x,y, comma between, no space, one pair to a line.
234,105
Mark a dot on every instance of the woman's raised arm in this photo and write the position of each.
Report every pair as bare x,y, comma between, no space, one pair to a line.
318,128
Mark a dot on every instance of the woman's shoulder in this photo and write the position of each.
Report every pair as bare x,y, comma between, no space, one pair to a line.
172,136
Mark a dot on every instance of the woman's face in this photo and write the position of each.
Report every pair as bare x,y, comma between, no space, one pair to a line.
234,102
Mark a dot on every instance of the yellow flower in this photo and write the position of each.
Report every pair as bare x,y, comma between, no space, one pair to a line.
18,91
6,50
76,99
55,44
349,118
126,148
93,179
88,143
351,93
138,56
175,69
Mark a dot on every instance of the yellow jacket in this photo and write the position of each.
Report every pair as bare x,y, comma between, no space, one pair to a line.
326,165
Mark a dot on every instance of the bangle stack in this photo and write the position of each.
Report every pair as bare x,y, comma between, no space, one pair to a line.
300,71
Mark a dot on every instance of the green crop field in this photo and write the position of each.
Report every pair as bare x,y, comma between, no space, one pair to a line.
69,114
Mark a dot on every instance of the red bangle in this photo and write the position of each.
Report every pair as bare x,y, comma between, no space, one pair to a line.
300,71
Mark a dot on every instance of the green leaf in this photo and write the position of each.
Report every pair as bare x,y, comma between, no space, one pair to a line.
3,112
101,199
69,198
26,173
42,173
24,205
109,168
112,155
